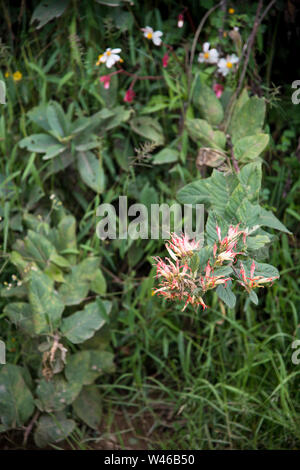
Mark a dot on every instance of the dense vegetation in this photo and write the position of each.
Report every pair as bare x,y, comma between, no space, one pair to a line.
161,102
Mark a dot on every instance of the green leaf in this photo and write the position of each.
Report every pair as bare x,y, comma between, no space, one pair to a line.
20,314
249,120
167,155
46,304
250,177
85,367
225,293
253,297
87,406
202,132
268,219
53,151
208,104
149,128
39,143
47,11
16,400
249,148
56,394
82,325
98,284
56,119
53,429
91,171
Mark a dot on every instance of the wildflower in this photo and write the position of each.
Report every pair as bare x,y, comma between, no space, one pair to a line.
129,96
180,21
105,79
180,246
218,89
209,281
154,35
208,55
165,60
225,65
7,74
110,57
231,11
251,282
17,76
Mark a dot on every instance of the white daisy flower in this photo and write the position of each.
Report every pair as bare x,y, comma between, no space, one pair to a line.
208,55
109,57
154,35
225,65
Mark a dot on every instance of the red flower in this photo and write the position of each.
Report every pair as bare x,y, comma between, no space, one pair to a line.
105,79
165,60
218,89
129,96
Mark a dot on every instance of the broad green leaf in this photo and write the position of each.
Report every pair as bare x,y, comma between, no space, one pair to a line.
85,367
268,219
208,104
167,155
81,325
149,128
98,284
225,293
39,143
91,171
87,406
38,115
214,191
53,429
56,394
39,248
202,132
249,148
56,119
250,177
20,314
47,11
249,120
46,304
53,151
16,400
253,297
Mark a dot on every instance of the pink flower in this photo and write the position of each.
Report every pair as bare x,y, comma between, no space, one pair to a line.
105,79
250,282
180,246
129,96
210,280
165,60
180,20
218,89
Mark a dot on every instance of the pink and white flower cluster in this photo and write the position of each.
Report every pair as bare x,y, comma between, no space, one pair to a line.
178,282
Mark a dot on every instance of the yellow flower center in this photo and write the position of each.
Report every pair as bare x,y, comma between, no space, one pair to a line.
121,60
231,11
149,35
206,55
229,65
108,53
